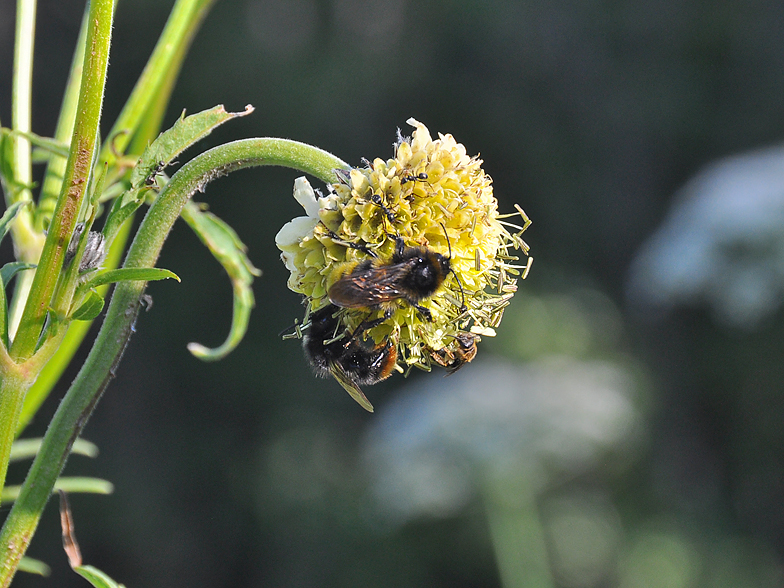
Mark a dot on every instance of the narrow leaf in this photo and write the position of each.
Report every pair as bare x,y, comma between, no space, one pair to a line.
34,566
46,144
84,485
169,144
28,448
90,308
226,247
142,274
120,213
9,215
97,578
9,270
71,484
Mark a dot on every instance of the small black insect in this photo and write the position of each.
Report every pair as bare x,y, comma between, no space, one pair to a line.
413,178
349,359
376,199
150,180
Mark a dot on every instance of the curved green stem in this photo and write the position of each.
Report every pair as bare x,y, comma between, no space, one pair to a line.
100,366
216,162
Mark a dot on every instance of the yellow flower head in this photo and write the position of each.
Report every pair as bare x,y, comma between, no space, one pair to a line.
434,204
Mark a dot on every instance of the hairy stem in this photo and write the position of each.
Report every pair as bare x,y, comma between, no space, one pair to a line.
77,175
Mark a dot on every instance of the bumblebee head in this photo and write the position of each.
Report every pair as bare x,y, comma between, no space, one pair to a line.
444,264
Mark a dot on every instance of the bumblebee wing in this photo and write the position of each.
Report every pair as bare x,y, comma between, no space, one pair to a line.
370,286
350,387
455,365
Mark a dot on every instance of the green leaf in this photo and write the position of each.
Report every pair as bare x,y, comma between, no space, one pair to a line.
9,215
9,178
96,186
169,144
96,577
46,144
28,448
9,270
34,566
120,213
131,274
90,308
227,248
86,485
71,484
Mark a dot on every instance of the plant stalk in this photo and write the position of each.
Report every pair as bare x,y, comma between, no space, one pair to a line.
17,379
101,364
27,241
141,118
75,182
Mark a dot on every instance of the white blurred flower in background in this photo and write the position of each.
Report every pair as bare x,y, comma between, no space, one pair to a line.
721,244
431,447
503,432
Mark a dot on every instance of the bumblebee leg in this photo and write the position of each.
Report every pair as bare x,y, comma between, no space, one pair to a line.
366,324
400,246
359,247
424,311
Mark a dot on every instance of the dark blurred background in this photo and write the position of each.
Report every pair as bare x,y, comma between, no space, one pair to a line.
591,115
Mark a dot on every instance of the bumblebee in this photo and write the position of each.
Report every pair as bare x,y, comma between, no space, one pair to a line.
413,274
454,359
349,359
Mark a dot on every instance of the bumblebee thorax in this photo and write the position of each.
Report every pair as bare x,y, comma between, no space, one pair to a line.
427,274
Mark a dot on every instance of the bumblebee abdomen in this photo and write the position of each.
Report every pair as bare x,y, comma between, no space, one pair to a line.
322,328
369,365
